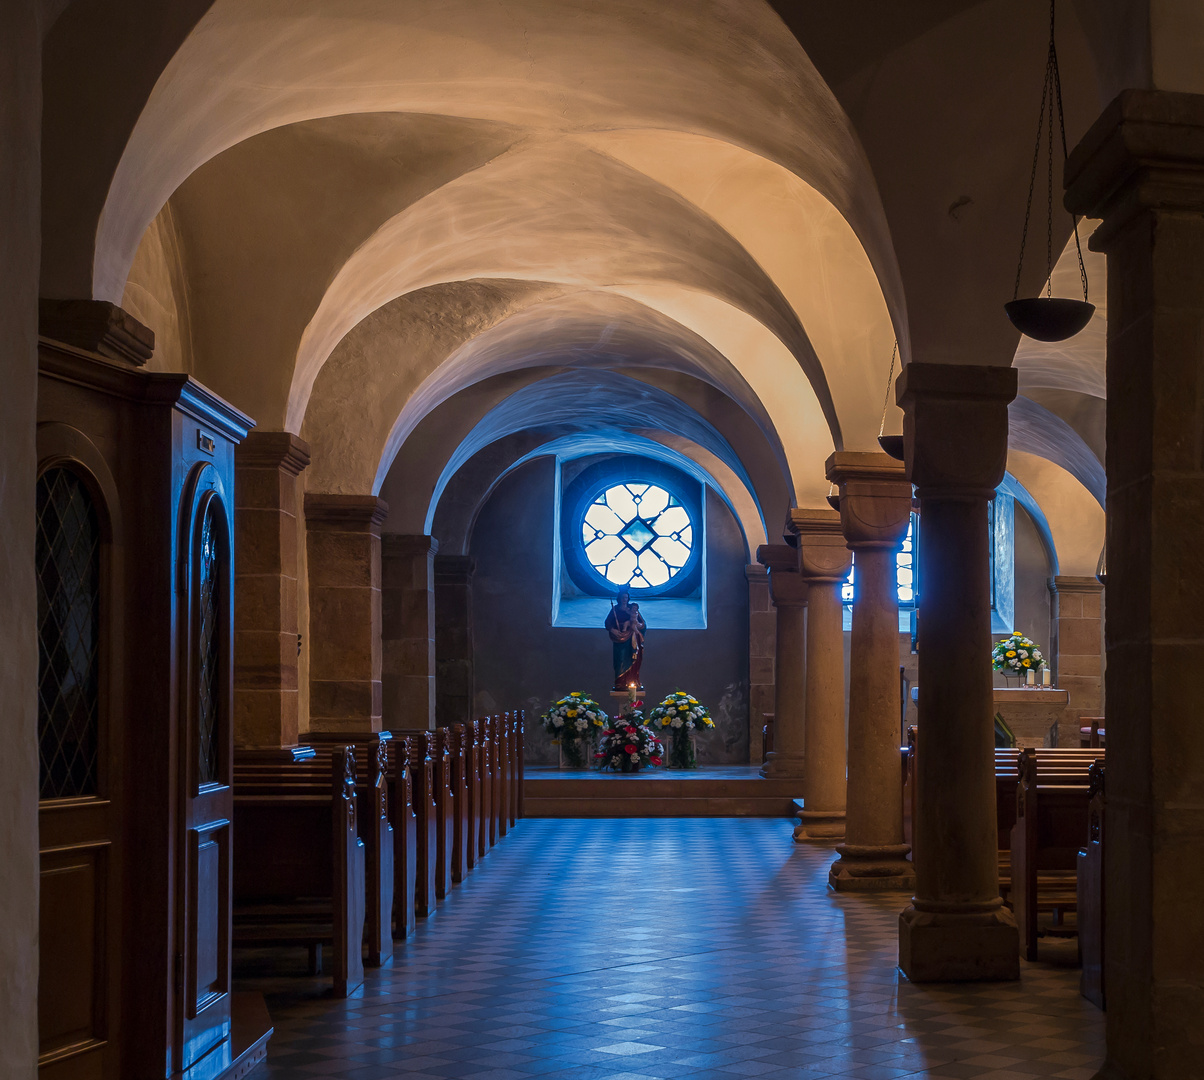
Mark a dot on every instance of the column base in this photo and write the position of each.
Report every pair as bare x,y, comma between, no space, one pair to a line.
959,946
819,826
782,765
872,868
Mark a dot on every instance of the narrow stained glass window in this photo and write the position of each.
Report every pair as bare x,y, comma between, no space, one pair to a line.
638,535
67,553
208,657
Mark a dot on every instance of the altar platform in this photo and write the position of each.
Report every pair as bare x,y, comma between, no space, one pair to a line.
711,791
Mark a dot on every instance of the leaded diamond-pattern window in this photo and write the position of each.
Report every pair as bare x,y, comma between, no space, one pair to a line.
208,651
67,553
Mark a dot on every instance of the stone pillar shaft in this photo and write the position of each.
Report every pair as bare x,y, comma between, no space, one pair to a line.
823,564
266,641
875,508
1077,622
1141,169
789,594
343,550
408,630
955,430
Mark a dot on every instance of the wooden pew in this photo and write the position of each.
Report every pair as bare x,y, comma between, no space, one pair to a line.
766,737
1091,732
299,862
372,757
472,794
1051,826
515,768
1090,891
445,811
522,763
460,759
422,773
488,820
405,831
501,772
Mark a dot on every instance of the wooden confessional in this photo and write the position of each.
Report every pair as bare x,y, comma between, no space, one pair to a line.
135,612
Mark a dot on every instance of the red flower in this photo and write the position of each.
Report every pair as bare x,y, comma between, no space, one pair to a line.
654,760
630,729
629,748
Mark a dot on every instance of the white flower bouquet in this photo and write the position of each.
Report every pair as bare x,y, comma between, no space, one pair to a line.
679,716
572,721
1017,656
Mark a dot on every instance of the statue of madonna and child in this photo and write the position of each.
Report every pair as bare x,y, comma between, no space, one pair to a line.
627,629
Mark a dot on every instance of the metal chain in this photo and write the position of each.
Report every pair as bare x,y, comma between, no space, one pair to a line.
1051,98
889,380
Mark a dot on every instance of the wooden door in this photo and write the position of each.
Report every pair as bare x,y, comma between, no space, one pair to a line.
205,753
79,807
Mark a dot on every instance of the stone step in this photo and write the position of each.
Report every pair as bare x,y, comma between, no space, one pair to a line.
734,791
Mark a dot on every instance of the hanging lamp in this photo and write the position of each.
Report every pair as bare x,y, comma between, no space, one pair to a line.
891,444
1049,317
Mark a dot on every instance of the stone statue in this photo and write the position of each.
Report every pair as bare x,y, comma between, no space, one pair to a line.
626,627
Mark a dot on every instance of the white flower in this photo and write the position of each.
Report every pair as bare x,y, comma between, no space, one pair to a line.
558,721
591,715
676,721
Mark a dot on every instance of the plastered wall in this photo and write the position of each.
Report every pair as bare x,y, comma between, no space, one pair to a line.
522,661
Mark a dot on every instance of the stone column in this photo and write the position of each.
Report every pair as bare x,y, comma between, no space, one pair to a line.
789,594
1077,649
408,673
1141,169
266,637
956,433
762,638
343,553
823,565
875,507
453,640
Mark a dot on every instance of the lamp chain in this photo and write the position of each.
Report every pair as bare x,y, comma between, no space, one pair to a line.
889,380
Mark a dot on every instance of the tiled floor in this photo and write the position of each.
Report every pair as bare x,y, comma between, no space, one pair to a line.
705,947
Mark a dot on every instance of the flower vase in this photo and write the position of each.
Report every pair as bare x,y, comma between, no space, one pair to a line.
683,750
575,753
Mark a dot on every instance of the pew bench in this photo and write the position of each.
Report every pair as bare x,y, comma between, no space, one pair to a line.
1050,828
1089,883
299,862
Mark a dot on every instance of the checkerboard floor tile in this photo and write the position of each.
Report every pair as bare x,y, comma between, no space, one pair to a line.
643,949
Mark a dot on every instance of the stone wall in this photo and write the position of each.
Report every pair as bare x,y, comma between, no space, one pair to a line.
522,661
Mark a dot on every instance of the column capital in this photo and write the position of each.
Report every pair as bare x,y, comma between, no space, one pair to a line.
755,572
875,497
955,427
786,584
97,326
823,554
345,513
1064,584
273,450
407,545
1144,152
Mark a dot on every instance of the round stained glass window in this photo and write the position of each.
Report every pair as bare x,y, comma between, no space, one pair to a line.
638,535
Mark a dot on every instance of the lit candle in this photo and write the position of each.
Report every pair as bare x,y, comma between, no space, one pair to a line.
1032,677
1046,677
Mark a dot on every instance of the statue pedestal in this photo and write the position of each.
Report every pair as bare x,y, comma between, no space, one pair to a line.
621,697
1034,714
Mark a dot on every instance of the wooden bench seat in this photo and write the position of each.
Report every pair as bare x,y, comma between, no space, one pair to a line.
1090,890
299,862
1050,828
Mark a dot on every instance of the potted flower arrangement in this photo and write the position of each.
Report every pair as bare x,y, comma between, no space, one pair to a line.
628,745
573,722
1016,656
681,715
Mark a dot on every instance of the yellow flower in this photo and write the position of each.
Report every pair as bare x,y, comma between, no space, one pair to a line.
572,713
1027,663
1011,652
693,701
575,693
683,708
